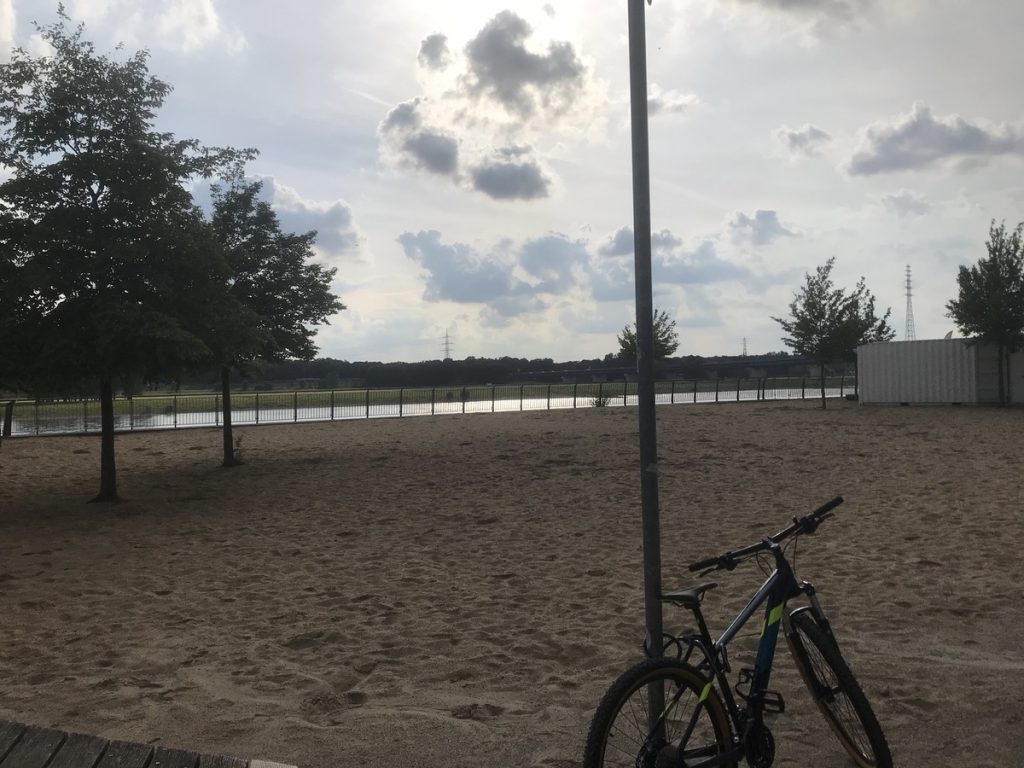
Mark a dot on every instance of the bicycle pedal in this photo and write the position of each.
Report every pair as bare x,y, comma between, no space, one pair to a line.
774,703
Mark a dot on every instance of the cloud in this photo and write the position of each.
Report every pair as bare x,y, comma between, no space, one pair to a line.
661,102
807,140
412,143
511,174
919,139
457,273
523,82
621,242
905,204
434,53
553,260
762,229
700,266
824,16
433,151
180,25
510,280
7,20
337,236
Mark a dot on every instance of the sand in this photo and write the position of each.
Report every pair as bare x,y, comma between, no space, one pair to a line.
460,590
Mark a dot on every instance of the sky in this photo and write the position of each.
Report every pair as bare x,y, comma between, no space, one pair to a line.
468,166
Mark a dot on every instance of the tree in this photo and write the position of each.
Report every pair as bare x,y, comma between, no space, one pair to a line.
990,304
666,338
104,259
828,324
275,293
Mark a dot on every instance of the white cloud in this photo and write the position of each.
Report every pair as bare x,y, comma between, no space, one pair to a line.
918,140
807,141
183,26
905,204
669,102
7,19
762,228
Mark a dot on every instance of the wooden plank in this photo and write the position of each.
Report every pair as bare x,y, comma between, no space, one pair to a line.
124,754
9,735
221,761
79,751
34,750
172,758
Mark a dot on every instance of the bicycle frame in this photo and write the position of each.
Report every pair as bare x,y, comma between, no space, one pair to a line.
780,587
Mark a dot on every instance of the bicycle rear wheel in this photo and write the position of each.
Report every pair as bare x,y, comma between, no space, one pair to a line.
837,693
620,733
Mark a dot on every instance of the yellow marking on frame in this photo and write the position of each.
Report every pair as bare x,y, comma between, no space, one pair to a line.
705,693
773,617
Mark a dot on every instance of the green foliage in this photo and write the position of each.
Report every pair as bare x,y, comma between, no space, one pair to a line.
666,338
278,292
827,324
104,261
990,302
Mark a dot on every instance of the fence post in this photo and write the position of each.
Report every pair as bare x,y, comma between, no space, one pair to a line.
625,391
718,381
600,392
738,381
803,388
574,394
695,390
432,390
332,405
401,395
37,416
216,410
174,407
464,396
8,419
295,406
493,394
85,414
549,397
842,383
672,394
520,397
367,403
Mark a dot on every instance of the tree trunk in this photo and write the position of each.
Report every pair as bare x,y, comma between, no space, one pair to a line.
225,392
1000,353
823,386
108,469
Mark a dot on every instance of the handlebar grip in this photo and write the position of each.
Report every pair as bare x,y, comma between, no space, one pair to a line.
700,565
827,507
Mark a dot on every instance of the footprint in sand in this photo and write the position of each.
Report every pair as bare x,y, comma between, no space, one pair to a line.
476,711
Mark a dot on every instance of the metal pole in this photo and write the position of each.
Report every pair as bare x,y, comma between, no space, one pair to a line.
645,338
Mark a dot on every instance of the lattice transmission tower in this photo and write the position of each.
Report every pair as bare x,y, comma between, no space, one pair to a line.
909,332
446,345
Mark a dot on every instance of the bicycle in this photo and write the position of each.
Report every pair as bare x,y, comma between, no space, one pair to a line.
697,720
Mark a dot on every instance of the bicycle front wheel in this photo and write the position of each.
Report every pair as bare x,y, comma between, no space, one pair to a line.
837,693
690,725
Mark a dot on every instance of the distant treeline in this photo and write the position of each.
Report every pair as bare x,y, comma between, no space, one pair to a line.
328,373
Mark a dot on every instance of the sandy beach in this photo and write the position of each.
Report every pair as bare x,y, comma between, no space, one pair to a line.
461,590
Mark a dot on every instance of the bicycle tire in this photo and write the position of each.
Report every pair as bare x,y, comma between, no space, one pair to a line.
619,732
837,693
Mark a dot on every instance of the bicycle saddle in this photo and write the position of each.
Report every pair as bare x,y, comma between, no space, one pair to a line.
690,597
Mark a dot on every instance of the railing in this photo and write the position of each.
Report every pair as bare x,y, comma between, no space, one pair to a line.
52,417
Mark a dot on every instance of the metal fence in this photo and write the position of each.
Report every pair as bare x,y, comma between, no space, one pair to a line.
178,411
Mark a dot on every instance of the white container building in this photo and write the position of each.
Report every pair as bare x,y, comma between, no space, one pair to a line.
935,371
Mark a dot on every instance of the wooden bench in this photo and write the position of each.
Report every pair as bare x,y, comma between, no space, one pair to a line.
25,746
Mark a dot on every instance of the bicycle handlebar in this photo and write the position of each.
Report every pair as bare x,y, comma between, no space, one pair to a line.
801,525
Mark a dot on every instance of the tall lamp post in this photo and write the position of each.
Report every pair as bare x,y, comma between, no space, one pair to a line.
645,328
